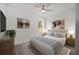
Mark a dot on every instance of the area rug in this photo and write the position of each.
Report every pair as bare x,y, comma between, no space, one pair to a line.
27,49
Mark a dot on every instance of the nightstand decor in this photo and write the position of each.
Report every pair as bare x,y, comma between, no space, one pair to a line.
44,32
70,39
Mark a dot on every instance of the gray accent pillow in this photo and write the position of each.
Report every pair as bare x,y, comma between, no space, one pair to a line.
59,35
51,33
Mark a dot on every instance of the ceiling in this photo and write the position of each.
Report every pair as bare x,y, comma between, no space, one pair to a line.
56,7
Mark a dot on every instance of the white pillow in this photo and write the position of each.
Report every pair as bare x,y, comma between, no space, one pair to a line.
59,35
51,33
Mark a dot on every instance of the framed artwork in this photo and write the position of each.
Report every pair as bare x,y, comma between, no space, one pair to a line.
59,23
23,23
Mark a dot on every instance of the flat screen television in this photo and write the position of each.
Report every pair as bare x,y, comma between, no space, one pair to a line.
2,22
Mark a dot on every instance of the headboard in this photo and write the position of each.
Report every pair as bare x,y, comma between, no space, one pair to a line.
59,30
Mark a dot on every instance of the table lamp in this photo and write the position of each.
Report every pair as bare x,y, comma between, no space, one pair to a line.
71,34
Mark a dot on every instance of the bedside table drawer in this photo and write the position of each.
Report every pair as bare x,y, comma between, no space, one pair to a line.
5,49
70,42
6,46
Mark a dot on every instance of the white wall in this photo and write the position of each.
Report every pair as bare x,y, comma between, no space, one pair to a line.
22,35
69,17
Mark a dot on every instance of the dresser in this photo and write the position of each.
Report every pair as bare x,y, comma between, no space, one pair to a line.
6,46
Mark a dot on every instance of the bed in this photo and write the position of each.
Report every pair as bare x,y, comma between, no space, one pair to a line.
51,44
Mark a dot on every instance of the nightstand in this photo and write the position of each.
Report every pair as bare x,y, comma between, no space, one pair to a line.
70,41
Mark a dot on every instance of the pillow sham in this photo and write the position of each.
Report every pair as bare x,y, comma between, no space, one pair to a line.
51,33
59,35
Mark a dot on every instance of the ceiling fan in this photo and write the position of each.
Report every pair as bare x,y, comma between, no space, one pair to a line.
44,8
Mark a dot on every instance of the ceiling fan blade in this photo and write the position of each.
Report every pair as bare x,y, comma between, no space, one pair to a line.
49,10
43,6
37,6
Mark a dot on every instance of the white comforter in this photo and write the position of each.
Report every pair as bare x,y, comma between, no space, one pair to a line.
48,45
61,40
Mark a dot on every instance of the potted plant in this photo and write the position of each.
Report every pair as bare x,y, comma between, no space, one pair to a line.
11,34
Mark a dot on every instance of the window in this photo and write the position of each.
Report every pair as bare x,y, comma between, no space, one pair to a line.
40,24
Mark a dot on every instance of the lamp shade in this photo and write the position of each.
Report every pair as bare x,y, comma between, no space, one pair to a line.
71,32
43,11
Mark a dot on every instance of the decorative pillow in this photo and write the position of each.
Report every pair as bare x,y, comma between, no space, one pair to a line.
51,33
60,35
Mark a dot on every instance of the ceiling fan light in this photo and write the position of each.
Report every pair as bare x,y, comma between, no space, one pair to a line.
43,11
